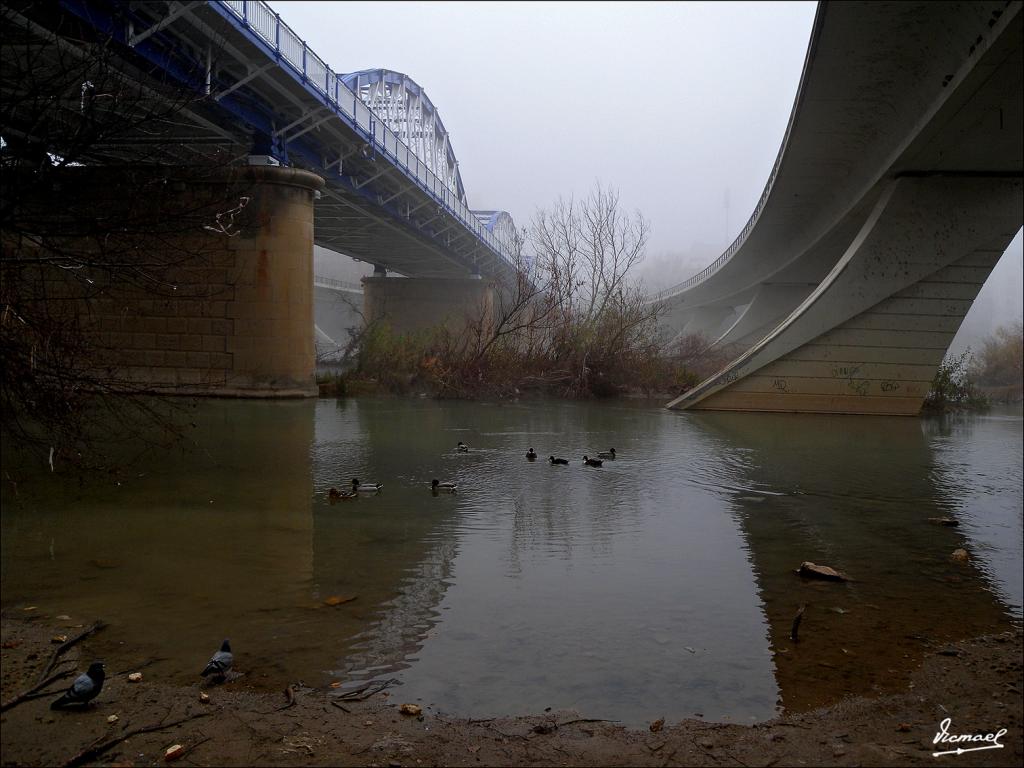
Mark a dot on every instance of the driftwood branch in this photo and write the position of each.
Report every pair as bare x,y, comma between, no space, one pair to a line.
36,692
98,747
290,698
67,644
46,678
365,691
794,633
585,720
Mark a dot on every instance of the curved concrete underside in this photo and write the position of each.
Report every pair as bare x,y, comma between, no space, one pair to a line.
887,89
911,91
870,337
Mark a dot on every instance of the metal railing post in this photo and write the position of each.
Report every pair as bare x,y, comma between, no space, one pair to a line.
277,34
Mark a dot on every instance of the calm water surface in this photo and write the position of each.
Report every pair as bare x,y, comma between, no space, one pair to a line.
661,584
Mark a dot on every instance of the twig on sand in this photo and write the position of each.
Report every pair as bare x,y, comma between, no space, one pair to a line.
289,695
365,691
67,644
794,633
342,707
46,678
98,747
36,692
585,720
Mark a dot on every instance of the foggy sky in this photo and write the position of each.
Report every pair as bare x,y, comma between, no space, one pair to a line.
671,103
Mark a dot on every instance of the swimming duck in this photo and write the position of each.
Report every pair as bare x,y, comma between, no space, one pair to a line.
335,495
592,462
462,447
438,487
553,460
531,454
609,454
366,487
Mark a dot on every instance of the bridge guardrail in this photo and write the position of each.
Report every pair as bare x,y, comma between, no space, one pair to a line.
258,17
344,285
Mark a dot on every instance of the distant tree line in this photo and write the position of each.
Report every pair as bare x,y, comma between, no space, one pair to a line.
574,322
973,381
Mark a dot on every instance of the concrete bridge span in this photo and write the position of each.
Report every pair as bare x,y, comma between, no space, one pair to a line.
900,105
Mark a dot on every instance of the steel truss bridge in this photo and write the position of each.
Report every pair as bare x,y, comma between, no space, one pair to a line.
394,195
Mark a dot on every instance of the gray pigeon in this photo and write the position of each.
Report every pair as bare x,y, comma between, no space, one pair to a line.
86,687
220,663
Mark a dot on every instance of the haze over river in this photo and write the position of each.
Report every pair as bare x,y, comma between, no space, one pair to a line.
661,584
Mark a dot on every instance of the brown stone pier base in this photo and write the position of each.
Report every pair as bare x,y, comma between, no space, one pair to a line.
416,304
222,300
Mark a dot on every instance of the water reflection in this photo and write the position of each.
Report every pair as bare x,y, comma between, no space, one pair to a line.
855,494
574,587
182,549
658,585
978,460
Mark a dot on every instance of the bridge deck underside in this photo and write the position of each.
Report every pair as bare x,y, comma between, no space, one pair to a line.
888,90
381,204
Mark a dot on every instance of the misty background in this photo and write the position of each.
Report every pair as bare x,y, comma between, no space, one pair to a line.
680,106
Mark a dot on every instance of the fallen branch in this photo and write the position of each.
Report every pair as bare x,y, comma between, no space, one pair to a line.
342,707
365,691
794,633
46,678
33,692
585,720
97,748
67,644
289,694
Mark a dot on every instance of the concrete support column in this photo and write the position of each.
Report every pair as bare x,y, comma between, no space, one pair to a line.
224,304
869,339
271,340
410,305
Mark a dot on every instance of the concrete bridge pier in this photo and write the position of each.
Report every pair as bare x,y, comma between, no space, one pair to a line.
411,305
869,339
232,314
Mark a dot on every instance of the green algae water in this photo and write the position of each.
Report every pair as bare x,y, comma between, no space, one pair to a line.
661,584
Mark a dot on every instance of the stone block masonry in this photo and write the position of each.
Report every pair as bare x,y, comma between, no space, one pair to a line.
231,313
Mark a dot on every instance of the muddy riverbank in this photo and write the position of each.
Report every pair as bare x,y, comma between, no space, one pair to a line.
976,683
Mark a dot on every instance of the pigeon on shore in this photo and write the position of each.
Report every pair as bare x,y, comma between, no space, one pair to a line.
86,687
220,663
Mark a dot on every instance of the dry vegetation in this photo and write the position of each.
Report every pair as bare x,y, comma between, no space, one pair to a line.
574,324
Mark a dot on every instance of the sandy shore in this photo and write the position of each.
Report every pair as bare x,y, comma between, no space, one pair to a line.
977,684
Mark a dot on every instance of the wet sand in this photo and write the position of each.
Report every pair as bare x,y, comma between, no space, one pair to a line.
977,683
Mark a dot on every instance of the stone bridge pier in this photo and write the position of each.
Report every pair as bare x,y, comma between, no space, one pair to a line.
226,306
410,305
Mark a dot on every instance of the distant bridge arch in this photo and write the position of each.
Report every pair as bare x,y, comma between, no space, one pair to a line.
501,225
404,106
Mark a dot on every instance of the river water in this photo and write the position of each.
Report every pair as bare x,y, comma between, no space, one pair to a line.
661,584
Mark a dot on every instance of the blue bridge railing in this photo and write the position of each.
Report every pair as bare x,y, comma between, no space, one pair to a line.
292,51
